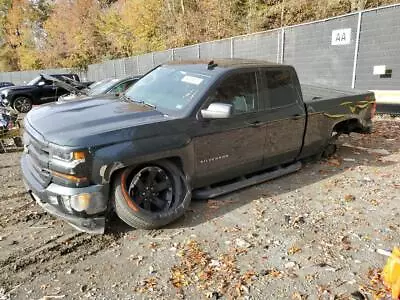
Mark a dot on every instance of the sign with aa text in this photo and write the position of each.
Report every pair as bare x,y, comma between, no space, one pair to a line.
341,36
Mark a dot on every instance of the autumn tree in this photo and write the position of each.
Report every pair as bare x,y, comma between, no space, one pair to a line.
75,33
18,51
72,38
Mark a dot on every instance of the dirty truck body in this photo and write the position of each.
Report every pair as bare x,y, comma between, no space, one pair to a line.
185,129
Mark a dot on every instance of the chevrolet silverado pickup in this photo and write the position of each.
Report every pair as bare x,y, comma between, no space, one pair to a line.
186,129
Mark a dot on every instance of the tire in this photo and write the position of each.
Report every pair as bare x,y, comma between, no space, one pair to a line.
173,195
329,150
331,146
22,104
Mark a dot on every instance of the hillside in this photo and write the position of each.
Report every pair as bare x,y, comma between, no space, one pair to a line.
41,34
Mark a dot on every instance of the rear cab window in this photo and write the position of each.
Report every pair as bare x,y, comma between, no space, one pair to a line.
280,88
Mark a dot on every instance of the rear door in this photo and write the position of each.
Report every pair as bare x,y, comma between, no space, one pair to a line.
226,148
286,115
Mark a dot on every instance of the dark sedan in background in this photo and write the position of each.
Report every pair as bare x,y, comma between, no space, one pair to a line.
39,90
4,84
107,86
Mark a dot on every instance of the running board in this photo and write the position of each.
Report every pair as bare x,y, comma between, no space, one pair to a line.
207,193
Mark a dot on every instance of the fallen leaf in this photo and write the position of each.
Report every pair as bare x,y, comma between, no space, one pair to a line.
334,162
298,296
346,244
52,297
374,202
293,250
349,198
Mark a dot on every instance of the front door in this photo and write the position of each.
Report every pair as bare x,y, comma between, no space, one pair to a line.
48,91
226,148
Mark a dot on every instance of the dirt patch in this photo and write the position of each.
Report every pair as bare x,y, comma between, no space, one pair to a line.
310,234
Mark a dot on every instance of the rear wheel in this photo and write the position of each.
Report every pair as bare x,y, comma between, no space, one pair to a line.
331,147
22,104
151,196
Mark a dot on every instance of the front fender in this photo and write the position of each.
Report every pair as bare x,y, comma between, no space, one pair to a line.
13,96
108,159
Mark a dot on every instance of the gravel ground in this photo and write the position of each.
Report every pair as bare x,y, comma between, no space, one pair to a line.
309,235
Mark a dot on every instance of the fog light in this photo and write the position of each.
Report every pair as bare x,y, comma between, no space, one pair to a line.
67,202
80,202
91,203
53,200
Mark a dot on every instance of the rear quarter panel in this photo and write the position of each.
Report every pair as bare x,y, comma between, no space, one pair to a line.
325,114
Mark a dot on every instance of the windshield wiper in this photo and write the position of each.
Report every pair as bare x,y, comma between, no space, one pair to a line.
149,104
126,97
138,101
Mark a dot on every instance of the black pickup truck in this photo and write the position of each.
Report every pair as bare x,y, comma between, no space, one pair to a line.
185,129
39,90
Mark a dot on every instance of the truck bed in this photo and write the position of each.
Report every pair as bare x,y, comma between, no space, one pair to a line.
313,93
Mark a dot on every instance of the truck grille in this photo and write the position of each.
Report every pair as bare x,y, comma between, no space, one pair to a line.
38,158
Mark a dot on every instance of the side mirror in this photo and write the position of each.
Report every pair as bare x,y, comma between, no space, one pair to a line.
217,111
41,83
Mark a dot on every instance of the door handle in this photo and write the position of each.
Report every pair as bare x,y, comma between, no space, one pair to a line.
255,123
297,117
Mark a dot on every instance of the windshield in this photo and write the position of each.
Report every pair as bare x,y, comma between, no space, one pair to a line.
103,87
34,81
169,89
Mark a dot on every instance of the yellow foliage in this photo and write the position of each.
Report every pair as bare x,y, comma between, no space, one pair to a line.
75,33
391,273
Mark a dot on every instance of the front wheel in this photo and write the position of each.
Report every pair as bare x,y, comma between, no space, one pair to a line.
22,104
151,196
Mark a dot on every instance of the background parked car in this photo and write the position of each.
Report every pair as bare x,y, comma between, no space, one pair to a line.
39,90
4,84
96,83
104,87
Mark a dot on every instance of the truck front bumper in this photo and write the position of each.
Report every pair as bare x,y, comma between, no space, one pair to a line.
54,200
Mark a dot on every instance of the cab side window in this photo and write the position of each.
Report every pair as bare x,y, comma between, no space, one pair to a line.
239,90
281,88
122,87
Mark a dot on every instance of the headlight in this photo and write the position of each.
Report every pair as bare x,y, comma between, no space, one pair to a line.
76,157
69,163
5,102
4,93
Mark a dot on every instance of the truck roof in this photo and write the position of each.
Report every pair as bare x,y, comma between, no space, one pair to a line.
230,63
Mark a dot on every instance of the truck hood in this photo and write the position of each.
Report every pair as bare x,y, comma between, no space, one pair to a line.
88,122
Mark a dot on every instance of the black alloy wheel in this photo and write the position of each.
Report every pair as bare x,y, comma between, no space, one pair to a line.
22,104
152,189
151,196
